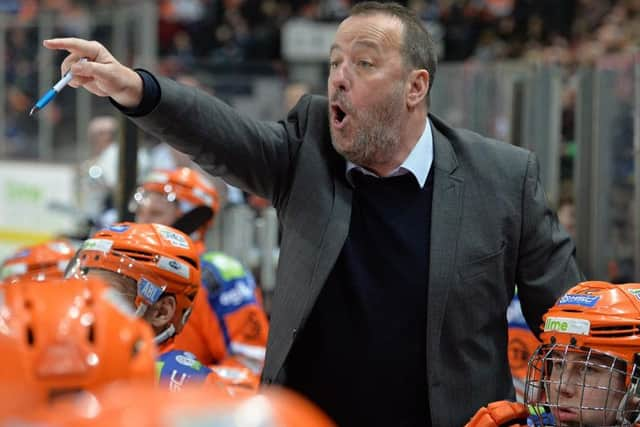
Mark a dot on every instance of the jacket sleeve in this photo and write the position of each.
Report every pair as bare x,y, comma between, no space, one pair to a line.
254,155
546,262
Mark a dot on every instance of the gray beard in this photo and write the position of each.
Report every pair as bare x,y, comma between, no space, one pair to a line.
378,139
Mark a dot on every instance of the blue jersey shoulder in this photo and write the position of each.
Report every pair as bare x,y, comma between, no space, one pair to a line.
230,285
177,368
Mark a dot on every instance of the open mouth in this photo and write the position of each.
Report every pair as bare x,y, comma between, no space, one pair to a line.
338,115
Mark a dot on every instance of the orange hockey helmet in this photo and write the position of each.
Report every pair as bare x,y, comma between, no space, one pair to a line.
159,259
197,406
38,262
184,186
593,328
63,336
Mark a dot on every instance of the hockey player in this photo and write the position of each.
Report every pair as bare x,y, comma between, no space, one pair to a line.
228,295
587,369
166,195
156,269
38,262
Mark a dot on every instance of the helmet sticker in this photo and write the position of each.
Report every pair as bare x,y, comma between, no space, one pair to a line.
119,228
174,266
59,247
149,292
102,245
635,292
172,237
20,254
567,325
579,299
13,270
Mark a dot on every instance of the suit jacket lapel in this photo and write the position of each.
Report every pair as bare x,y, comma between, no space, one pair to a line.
304,295
333,239
445,227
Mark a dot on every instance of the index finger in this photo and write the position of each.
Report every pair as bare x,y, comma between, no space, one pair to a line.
80,47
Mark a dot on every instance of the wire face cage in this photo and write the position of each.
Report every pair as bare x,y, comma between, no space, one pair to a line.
579,386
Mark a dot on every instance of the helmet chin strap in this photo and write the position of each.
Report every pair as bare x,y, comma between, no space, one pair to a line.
165,335
141,309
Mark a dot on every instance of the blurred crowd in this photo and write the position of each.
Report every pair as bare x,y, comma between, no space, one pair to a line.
561,31
239,30
246,33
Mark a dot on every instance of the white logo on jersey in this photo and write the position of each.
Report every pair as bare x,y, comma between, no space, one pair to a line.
236,295
186,360
175,384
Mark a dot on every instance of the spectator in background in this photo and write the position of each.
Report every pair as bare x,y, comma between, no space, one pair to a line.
99,174
567,215
292,94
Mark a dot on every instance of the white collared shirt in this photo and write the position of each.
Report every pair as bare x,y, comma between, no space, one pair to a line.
417,163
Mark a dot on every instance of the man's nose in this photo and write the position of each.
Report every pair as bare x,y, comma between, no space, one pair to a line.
340,78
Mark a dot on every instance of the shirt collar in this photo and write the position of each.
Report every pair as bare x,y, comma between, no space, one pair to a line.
417,163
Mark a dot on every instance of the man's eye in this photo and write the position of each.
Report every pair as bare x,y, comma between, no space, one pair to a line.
365,64
333,64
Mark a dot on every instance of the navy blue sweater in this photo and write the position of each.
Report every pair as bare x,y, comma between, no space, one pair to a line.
362,354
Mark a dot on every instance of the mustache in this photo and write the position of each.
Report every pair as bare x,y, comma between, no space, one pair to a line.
344,103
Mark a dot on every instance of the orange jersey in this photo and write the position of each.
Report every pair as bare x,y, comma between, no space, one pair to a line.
201,334
522,344
232,296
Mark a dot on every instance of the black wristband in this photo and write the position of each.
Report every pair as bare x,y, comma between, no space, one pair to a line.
150,96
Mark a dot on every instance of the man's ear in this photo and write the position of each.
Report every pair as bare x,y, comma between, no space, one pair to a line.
418,83
160,314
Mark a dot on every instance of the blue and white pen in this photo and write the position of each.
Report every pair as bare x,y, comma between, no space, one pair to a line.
42,102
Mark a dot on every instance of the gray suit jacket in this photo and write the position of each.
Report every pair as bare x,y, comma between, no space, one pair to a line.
491,228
